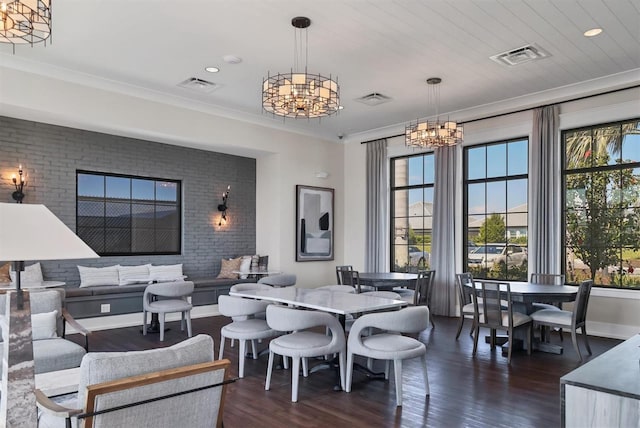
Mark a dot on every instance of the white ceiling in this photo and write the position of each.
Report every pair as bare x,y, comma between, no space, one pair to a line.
146,47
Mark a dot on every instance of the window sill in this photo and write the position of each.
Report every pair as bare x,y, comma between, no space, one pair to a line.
616,293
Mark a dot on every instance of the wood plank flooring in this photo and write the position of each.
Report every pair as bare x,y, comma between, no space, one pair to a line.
465,392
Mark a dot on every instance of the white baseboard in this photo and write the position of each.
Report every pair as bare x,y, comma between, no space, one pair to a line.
130,320
613,331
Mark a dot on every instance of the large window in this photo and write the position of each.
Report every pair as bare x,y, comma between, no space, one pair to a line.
126,215
602,204
495,209
412,180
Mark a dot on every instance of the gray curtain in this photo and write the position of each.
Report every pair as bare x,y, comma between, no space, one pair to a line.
443,255
376,236
544,230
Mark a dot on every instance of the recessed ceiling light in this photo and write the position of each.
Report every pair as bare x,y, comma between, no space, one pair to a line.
340,107
232,59
212,69
593,32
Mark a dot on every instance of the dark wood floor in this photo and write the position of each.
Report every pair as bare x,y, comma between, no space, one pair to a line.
465,392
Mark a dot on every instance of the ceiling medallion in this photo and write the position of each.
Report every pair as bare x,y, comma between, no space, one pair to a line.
300,94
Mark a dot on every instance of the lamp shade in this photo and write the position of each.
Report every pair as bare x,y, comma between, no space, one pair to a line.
32,232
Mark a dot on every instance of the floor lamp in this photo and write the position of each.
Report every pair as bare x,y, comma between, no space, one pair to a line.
27,232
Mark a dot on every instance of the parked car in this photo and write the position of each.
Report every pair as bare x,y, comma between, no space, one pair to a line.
495,253
416,255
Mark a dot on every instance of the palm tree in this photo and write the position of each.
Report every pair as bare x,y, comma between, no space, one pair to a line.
598,142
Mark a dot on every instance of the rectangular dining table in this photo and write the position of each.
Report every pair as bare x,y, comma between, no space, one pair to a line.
338,303
388,280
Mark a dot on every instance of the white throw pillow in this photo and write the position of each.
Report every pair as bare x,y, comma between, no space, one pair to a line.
133,274
31,274
245,266
43,326
166,273
91,277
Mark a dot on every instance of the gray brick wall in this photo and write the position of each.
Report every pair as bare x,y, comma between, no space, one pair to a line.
50,156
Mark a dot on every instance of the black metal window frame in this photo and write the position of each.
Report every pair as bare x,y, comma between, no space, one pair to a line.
467,182
178,204
392,189
566,172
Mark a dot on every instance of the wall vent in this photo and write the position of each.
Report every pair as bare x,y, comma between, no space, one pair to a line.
373,99
199,85
521,55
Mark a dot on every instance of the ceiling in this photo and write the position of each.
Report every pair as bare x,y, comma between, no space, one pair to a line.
147,47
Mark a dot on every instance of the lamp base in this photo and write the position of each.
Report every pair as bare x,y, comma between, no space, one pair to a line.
18,196
18,402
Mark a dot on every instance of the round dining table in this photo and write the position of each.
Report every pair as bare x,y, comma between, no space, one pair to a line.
388,280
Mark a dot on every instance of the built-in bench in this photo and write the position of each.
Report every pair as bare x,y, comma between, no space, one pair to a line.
88,302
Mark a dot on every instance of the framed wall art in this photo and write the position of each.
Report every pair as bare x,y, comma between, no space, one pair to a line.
314,223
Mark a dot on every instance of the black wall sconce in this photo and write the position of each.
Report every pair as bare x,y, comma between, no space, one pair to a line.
223,206
19,182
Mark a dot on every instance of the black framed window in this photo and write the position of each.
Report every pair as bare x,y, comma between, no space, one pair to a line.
128,215
412,179
601,191
495,209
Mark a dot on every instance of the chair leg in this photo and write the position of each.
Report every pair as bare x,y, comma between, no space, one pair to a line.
267,383
254,349
387,365
144,323
221,353
530,338
285,362
162,315
561,335
182,321
475,338
295,378
232,342
460,323
241,357
427,390
349,372
586,341
510,346
397,371
342,361
574,339
188,319
473,326
433,325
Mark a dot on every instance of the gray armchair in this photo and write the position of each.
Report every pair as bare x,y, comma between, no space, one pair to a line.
166,297
51,351
180,385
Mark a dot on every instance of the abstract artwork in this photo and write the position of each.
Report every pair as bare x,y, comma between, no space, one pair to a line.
314,223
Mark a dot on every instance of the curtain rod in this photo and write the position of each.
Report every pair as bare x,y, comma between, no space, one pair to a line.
524,109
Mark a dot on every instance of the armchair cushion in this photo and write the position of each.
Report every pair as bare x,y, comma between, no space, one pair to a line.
56,354
44,325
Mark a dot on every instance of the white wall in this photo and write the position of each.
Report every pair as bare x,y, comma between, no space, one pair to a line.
612,313
283,159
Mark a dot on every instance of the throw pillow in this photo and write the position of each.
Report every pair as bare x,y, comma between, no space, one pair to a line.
133,274
166,273
245,266
4,273
43,325
227,267
254,262
92,276
31,274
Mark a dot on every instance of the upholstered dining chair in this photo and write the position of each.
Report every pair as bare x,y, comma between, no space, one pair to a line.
466,301
490,313
389,345
574,320
281,280
245,326
167,297
420,295
303,343
51,351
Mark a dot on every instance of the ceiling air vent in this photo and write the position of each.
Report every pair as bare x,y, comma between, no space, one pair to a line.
373,99
521,55
199,85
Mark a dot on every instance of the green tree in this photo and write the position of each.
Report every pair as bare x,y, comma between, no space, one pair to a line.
493,229
600,217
